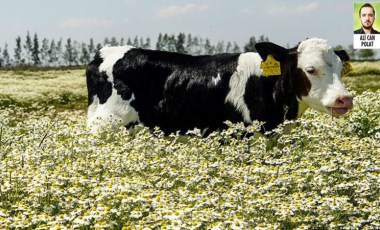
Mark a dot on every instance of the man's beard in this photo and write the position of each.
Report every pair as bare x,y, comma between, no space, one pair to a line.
367,27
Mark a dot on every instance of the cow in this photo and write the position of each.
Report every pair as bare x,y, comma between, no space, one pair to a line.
180,92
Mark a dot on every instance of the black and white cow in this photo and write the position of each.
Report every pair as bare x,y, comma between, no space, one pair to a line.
174,91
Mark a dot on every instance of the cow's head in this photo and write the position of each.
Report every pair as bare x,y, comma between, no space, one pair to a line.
317,68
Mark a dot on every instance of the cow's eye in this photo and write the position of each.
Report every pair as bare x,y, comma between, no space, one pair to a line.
311,70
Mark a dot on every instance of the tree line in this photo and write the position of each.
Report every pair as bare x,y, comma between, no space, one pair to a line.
32,51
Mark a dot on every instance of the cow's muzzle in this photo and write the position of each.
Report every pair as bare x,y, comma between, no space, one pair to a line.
341,106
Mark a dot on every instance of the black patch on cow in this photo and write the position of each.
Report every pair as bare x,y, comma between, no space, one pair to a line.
267,48
302,83
97,83
342,54
177,91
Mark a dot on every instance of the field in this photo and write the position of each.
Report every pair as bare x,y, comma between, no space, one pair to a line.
323,174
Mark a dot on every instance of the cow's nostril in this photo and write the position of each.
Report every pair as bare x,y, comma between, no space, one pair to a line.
340,101
344,102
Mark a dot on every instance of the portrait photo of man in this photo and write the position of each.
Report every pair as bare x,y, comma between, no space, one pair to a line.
367,17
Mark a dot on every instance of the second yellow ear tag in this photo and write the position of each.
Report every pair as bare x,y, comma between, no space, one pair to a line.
270,66
347,67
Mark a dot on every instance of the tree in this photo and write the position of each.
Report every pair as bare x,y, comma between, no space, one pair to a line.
91,48
55,54
45,51
159,42
28,48
18,50
36,51
351,52
129,42
250,46
147,43
68,55
338,47
180,43
164,42
236,48
209,49
171,45
136,42
366,54
59,52
114,42
6,59
229,47
219,47
1,60
189,44
98,46
263,39
52,53
106,41
198,45
85,55
76,50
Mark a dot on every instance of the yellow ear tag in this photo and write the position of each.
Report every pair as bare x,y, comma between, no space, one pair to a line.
270,66
347,67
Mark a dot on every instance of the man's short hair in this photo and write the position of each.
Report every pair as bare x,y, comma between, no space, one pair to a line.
366,5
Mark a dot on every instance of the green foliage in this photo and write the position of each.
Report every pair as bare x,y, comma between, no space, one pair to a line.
17,53
5,59
366,53
36,51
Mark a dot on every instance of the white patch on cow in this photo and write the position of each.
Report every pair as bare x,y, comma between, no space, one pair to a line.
110,55
216,79
115,111
326,84
248,65
93,107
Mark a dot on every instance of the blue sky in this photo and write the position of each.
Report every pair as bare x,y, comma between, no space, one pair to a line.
284,22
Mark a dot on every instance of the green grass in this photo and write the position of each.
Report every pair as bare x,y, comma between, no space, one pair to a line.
43,88
362,83
364,77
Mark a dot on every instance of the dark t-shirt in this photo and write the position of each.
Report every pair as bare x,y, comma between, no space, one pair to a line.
361,31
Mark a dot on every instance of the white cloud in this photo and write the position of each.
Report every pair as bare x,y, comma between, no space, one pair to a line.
301,9
85,22
176,10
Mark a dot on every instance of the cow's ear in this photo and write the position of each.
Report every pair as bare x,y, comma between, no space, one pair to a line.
268,48
342,54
